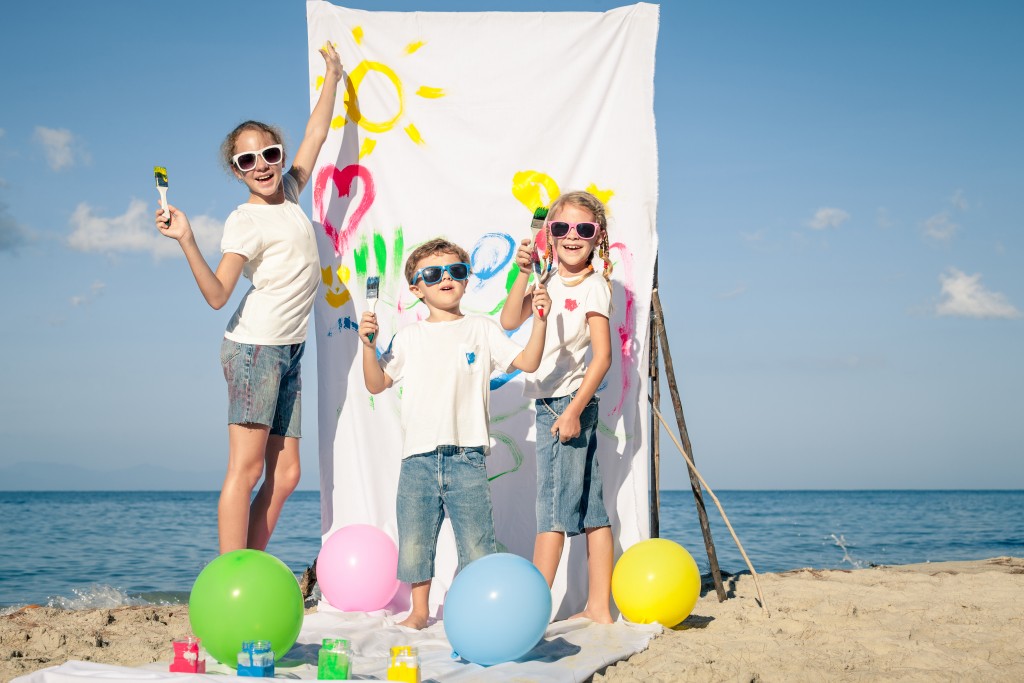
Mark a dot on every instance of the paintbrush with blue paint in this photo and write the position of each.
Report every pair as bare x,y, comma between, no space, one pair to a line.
372,288
161,186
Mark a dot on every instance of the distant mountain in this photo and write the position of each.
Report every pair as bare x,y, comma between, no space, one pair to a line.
52,476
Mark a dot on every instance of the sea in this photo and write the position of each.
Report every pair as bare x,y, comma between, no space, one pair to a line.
81,550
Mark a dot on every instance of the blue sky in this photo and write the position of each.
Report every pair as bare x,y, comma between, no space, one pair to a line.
840,233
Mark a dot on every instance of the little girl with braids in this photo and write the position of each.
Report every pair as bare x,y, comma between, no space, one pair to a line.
569,493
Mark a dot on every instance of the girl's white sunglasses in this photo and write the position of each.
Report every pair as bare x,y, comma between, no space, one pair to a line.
246,161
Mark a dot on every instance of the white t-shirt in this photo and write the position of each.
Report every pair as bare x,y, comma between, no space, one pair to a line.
445,370
278,243
567,338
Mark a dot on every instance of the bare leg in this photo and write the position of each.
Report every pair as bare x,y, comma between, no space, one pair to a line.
282,476
247,444
600,557
420,614
547,551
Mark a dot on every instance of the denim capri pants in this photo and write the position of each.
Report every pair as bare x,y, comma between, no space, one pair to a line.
264,385
450,479
570,498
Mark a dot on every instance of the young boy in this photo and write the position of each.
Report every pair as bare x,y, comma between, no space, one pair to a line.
444,364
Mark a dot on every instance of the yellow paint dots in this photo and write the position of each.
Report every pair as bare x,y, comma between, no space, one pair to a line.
319,83
534,189
337,299
604,195
413,134
336,295
357,34
412,47
430,93
367,148
338,122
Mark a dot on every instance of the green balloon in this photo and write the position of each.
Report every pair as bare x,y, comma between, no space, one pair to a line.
245,595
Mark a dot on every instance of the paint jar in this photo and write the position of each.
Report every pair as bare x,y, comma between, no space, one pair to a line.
256,659
404,664
186,657
334,663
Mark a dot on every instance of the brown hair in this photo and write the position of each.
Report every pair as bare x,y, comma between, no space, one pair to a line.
227,148
438,245
595,206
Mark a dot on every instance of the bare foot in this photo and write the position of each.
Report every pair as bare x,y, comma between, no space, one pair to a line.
415,621
602,618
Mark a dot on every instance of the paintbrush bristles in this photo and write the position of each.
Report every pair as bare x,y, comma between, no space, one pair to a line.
372,287
161,176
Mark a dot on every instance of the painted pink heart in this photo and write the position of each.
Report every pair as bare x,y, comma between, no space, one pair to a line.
343,179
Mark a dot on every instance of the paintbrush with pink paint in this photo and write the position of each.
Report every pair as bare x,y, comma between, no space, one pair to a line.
543,265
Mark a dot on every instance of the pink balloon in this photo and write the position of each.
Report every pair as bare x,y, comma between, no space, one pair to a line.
358,568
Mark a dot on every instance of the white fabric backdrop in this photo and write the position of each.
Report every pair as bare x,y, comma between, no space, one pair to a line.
461,124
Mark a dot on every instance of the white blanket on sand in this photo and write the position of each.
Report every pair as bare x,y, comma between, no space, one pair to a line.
571,650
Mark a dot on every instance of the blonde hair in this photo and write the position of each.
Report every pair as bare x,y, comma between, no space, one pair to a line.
596,207
438,245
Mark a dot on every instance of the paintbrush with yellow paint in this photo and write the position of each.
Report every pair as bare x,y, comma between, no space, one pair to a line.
161,186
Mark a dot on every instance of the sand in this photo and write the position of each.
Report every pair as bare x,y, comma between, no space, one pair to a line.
927,622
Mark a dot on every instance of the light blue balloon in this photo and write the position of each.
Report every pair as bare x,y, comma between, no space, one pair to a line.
497,609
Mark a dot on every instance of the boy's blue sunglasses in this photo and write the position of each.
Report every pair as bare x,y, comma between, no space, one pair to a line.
432,274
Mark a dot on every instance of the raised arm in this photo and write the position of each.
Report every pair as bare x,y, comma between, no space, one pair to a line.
529,358
319,121
216,287
520,301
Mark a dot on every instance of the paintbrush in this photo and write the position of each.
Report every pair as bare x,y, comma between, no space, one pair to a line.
541,266
161,186
372,287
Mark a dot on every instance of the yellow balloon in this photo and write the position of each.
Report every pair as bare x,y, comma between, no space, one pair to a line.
656,580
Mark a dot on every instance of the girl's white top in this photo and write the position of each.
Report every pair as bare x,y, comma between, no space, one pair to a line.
568,337
278,243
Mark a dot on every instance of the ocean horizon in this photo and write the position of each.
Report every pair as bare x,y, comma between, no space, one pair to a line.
86,549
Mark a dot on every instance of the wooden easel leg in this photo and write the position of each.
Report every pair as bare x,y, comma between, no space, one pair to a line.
657,317
655,428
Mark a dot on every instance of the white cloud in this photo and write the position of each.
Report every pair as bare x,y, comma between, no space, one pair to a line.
827,217
95,290
963,295
959,201
59,145
940,227
135,231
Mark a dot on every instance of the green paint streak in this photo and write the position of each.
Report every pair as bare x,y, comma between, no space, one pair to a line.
372,406
513,273
501,418
380,252
360,255
611,433
513,447
399,253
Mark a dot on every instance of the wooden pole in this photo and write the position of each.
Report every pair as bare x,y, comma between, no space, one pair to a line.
655,428
709,545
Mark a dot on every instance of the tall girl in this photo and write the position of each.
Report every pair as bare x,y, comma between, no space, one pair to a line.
270,240
569,493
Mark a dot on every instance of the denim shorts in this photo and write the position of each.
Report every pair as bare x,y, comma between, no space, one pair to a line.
264,385
569,493
448,479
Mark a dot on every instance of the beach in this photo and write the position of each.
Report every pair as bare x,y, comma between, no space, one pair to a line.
923,622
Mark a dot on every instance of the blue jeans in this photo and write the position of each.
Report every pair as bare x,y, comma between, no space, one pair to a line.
570,498
264,385
452,479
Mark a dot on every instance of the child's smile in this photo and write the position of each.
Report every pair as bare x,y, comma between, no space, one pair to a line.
574,252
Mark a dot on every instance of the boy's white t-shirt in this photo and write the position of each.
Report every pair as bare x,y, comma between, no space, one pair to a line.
567,338
282,262
445,372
